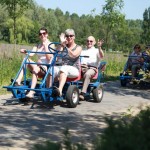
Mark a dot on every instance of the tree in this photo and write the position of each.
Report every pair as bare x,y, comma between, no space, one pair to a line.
146,26
3,19
15,9
112,17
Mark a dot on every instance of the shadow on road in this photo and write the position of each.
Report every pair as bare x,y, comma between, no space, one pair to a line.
135,90
21,126
27,126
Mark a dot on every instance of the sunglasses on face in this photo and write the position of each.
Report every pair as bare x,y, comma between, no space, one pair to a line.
44,33
69,36
137,47
89,41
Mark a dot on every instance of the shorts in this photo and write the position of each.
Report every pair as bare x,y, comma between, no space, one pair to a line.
70,71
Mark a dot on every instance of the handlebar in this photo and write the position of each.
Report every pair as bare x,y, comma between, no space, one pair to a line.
61,53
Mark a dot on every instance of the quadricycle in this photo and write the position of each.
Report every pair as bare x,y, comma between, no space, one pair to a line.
72,86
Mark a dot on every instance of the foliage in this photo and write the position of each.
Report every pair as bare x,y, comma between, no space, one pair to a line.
15,10
125,134
110,24
146,26
112,17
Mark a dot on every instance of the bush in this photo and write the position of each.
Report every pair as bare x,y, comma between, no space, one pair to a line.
124,134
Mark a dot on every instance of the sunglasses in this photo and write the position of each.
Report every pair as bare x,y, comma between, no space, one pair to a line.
44,33
89,41
69,36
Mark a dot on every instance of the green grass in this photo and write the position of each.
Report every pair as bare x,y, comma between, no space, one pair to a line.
115,65
9,67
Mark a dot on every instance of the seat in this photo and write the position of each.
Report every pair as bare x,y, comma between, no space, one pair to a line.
101,68
76,78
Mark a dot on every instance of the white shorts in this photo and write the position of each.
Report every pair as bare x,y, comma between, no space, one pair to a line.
70,71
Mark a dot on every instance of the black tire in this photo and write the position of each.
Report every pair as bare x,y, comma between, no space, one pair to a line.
72,96
98,94
123,82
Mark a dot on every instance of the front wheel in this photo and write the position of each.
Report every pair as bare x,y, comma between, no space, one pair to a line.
98,94
72,96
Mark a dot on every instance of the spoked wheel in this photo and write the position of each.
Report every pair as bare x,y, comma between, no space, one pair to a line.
72,96
98,94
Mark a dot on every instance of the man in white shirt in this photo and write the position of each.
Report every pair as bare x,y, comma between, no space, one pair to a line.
90,63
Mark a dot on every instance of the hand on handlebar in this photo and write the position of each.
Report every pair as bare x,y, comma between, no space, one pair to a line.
23,51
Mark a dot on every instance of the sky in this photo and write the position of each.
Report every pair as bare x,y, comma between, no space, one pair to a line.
133,9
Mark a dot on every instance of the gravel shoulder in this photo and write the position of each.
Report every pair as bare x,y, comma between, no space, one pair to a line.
22,125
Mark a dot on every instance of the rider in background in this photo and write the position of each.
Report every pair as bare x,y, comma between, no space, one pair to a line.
89,65
134,62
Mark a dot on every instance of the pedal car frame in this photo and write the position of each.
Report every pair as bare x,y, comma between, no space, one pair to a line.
126,76
71,88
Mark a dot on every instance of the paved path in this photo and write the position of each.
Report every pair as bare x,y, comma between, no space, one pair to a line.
21,126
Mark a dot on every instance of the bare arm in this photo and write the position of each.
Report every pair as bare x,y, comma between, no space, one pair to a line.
34,49
99,44
75,53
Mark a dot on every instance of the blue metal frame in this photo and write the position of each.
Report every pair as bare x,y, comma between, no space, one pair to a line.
95,82
41,91
127,77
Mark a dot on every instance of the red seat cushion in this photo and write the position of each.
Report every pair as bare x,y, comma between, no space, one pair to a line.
74,79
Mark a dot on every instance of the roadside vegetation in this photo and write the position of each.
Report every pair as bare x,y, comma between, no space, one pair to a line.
21,20
10,64
126,133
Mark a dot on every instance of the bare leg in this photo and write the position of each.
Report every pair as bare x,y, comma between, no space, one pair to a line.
36,70
20,77
30,66
62,81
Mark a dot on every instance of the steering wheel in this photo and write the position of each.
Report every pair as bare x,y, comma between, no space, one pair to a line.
51,49
62,53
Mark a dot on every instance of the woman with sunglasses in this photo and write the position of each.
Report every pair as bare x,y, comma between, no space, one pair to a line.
134,62
37,70
90,63
71,62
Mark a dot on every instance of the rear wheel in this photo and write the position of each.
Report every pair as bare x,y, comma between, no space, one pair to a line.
98,94
72,96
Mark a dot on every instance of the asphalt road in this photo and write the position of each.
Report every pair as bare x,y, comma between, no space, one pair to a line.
22,125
